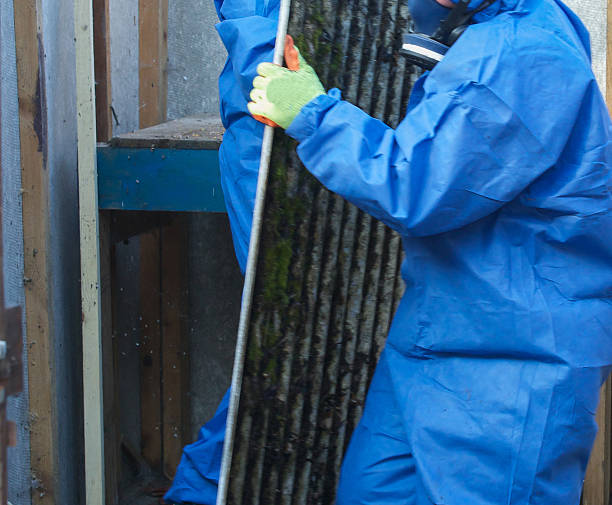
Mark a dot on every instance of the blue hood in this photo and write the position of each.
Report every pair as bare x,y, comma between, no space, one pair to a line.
522,7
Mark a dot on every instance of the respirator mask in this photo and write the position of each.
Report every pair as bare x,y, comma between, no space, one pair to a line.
438,29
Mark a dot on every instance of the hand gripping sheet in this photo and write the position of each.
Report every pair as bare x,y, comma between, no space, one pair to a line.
327,279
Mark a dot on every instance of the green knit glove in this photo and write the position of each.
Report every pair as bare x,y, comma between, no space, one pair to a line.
279,94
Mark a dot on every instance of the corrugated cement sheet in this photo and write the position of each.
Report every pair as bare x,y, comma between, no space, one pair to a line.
327,279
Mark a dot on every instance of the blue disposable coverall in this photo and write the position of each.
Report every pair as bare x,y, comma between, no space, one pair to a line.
498,180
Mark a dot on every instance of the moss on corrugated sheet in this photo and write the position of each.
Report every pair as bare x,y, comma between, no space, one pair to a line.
327,279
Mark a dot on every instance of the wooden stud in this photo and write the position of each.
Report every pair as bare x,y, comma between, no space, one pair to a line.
153,77
151,364
35,184
153,64
104,117
104,129
175,363
90,255
112,461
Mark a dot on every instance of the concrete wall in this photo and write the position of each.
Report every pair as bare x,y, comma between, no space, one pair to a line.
594,15
124,63
215,291
195,58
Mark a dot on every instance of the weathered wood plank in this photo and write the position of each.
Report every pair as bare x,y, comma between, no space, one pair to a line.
112,462
150,331
153,77
198,132
153,64
104,117
104,129
35,184
175,357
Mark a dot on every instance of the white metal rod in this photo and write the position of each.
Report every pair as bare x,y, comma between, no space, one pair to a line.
90,259
249,280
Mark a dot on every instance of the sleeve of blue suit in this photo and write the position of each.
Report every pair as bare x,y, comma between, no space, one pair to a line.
248,31
465,148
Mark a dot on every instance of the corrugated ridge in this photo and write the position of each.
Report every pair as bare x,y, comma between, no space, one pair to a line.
328,279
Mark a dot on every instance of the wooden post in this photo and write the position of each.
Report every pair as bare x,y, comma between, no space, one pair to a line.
597,481
90,255
151,349
104,129
112,461
175,357
153,90
104,117
153,37
35,184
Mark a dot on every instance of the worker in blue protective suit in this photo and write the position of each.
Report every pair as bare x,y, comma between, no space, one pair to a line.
498,180
248,31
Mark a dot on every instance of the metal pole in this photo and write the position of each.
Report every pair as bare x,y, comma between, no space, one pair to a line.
249,280
90,254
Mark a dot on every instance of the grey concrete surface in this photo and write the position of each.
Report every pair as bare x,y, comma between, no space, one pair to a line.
124,63
593,14
195,58
127,335
215,290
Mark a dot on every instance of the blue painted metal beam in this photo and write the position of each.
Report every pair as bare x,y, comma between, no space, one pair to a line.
180,180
